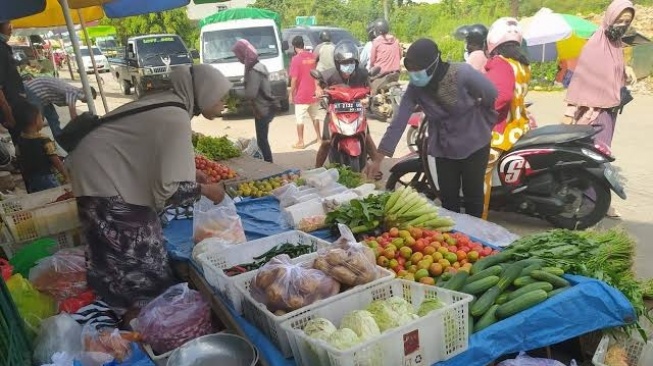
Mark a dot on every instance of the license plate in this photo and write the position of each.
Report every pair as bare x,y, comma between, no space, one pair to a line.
348,107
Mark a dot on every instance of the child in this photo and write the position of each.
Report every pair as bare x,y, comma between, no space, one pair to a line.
38,154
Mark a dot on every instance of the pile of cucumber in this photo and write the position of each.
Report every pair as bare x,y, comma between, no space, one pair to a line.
503,288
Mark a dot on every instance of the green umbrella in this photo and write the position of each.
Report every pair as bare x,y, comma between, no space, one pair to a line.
581,27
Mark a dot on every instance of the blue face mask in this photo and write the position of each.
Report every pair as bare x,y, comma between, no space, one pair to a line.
421,78
347,68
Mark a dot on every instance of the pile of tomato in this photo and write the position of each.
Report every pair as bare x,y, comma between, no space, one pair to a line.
215,172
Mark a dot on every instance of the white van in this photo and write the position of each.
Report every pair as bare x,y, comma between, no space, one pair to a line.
218,39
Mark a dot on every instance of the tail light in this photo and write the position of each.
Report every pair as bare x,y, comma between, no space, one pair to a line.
603,149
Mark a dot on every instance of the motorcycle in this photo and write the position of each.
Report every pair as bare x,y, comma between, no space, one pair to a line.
558,173
347,123
384,104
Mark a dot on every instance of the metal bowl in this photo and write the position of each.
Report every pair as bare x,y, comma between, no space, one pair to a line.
222,349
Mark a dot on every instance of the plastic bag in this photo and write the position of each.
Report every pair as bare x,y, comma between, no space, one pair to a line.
479,229
208,245
30,254
323,180
349,262
217,221
58,334
175,317
283,286
62,275
97,343
62,359
137,358
525,360
72,304
32,305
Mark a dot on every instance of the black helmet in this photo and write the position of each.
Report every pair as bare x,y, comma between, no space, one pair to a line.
370,31
345,51
461,32
381,27
325,36
477,34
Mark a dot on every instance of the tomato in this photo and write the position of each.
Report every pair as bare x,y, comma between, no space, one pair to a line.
487,251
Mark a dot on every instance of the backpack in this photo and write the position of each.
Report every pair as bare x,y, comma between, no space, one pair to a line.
85,123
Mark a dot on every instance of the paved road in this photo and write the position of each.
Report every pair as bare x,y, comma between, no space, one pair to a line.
632,137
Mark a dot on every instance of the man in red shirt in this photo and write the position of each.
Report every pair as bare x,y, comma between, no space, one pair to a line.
302,90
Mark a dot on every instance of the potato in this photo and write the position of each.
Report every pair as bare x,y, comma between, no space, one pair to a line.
366,277
336,257
321,264
307,283
264,279
295,302
274,293
343,275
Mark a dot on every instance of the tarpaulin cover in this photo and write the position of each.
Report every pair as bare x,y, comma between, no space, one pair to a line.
12,9
126,8
241,13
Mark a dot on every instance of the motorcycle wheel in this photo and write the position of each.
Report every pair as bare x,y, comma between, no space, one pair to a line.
585,188
411,139
416,180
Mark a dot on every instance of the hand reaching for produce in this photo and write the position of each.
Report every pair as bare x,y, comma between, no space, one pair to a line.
214,192
201,177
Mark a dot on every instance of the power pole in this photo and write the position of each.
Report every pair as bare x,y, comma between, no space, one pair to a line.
514,8
385,9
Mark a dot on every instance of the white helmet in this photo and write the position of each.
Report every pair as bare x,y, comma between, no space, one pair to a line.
503,30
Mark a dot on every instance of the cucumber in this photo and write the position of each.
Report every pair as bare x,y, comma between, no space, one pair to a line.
554,271
441,281
527,271
550,278
483,303
525,301
557,291
509,276
490,261
446,276
480,286
532,287
487,319
529,262
503,298
523,281
457,281
490,271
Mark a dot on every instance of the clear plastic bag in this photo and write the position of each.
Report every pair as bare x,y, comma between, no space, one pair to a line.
482,230
58,334
61,359
217,221
283,286
62,275
175,317
98,343
349,262
32,305
525,360
208,245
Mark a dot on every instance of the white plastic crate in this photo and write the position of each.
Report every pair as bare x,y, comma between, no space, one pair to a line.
270,324
34,223
215,262
438,336
639,353
33,200
66,239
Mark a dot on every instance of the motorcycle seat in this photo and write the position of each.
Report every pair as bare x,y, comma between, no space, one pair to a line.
555,134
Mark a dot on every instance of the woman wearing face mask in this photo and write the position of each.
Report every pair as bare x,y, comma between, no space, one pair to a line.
459,105
594,93
259,92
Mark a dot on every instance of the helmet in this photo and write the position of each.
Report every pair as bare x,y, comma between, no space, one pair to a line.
503,30
381,27
461,32
477,34
325,36
370,31
345,51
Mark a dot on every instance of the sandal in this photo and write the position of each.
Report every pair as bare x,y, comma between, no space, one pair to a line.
299,146
613,214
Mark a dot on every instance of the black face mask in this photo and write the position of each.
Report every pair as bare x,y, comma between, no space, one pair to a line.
614,33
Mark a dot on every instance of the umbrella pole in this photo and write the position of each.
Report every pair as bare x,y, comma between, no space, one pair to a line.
70,67
90,48
78,57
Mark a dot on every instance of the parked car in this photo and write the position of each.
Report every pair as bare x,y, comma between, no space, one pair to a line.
101,61
311,36
144,62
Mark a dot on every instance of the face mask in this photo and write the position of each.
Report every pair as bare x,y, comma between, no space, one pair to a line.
422,78
348,68
614,33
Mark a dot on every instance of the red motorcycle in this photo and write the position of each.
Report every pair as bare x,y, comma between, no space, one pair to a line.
347,124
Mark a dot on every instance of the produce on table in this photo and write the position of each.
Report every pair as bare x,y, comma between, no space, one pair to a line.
109,341
350,263
361,215
264,187
343,339
311,223
285,287
426,255
319,328
293,251
216,172
348,177
215,148
616,356
62,275
362,323
408,208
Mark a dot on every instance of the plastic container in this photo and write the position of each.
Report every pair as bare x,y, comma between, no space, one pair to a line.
294,214
313,172
365,189
438,336
343,197
639,353
270,324
215,262
37,222
34,200
66,239
333,190
324,179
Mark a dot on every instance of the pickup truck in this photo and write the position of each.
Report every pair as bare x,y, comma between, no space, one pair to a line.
144,63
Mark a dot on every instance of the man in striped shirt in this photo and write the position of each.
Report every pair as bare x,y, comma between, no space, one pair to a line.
46,92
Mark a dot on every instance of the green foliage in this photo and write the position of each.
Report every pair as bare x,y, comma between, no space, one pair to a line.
544,73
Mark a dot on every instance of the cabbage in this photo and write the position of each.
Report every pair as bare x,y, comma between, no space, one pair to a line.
429,305
319,328
343,339
385,317
362,323
401,306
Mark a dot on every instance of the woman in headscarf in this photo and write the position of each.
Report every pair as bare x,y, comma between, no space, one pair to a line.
594,93
459,105
508,69
259,92
126,171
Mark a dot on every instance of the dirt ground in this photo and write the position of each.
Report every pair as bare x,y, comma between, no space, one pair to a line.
629,146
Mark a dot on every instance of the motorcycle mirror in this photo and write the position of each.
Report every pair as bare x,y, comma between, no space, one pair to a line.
375,71
316,74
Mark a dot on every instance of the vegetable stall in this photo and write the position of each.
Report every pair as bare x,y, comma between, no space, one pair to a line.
320,268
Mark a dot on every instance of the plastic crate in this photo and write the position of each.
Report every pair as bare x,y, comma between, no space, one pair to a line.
438,336
639,353
270,324
33,200
66,239
215,262
45,220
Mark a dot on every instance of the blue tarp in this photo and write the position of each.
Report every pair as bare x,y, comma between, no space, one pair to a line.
563,317
13,9
126,8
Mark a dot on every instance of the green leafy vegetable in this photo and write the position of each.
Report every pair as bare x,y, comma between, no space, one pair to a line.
216,148
361,215
348,177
